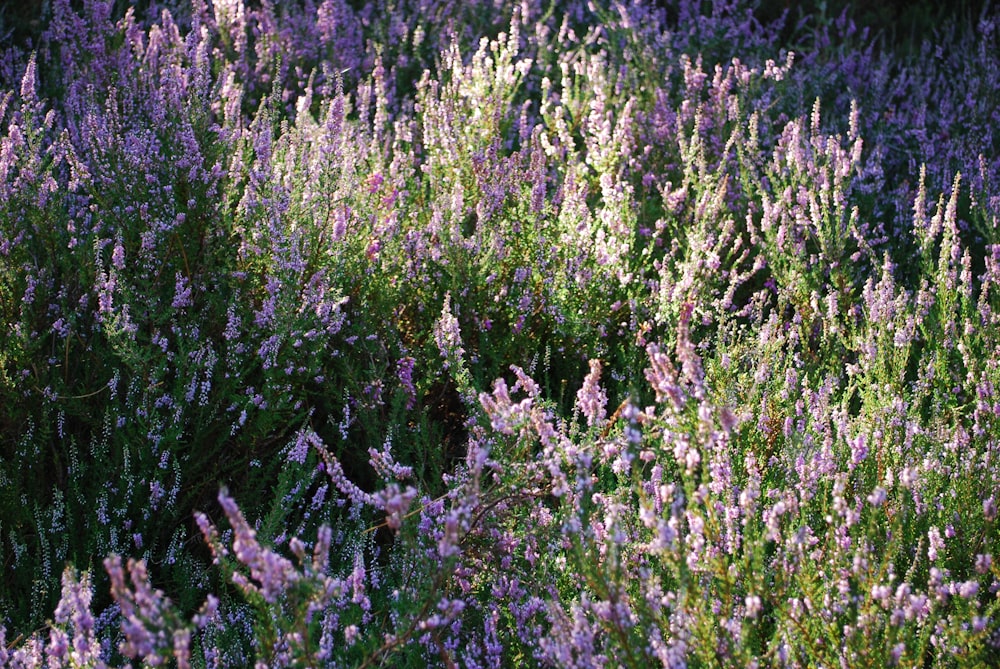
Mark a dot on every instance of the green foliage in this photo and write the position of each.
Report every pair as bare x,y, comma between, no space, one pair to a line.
562,338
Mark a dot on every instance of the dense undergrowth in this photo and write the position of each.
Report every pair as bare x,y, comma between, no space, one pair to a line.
488,334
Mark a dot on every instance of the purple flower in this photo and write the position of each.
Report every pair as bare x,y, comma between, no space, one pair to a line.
877,497
448,545
591,399
935,544
340,480
983,563
182,293
505,416
753,606
385,465
273,573
395,503
298,450
448,335
404,372
990,509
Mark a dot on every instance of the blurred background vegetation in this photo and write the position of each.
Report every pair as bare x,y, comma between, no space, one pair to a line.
900,25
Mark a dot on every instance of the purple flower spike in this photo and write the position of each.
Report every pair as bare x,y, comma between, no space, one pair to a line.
591,399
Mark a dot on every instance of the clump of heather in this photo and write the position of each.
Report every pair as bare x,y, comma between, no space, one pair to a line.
488,334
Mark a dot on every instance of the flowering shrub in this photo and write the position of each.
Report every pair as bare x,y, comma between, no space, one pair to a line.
488,334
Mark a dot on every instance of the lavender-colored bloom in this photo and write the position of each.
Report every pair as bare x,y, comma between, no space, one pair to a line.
4,656
298,450
57,647
753,606
984,561
385,464
182,293
505,416
448,335
859,450
591,399
990,509
395,503
404,372
340,480
182,648
273,572
662,377
968,589
877,497
935,544
448,545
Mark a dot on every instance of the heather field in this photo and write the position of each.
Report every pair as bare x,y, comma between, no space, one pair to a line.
480,333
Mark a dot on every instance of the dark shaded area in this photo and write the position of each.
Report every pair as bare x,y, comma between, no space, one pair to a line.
23,21
901,25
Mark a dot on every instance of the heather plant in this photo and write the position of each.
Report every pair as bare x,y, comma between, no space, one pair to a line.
488,334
